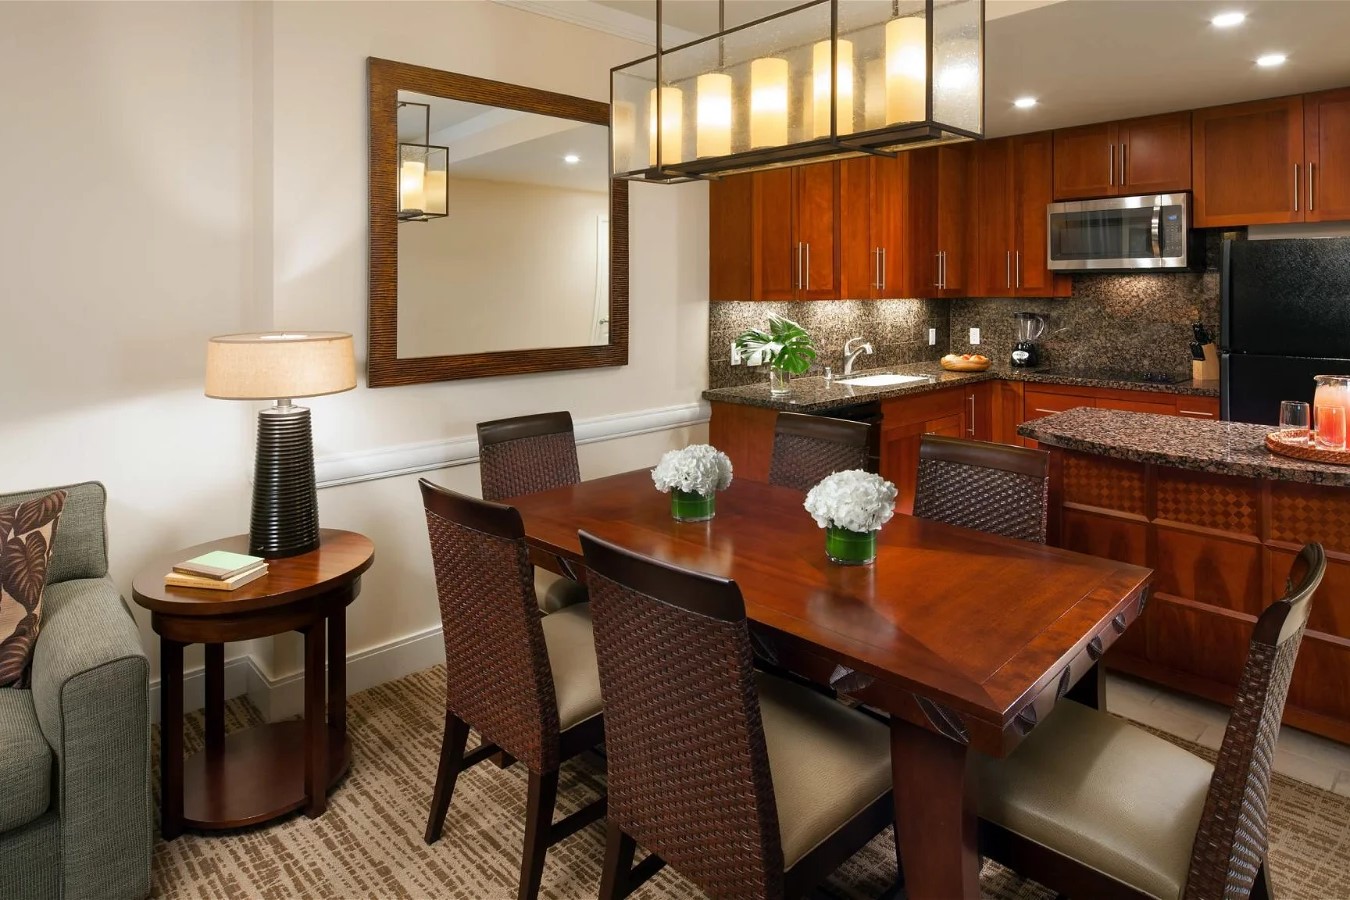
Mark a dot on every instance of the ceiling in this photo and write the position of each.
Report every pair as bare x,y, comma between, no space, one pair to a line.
1096,60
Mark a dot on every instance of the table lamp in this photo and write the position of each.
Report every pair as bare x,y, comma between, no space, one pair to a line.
280,366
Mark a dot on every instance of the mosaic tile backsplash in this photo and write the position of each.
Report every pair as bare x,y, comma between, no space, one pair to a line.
1137,323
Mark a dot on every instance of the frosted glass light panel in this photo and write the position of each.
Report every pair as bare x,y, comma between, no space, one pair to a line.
958,66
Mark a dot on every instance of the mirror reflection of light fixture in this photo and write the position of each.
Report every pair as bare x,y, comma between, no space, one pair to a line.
825,79
423,191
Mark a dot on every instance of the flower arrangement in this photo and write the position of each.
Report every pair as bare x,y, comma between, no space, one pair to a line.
786,347
851,506
692,477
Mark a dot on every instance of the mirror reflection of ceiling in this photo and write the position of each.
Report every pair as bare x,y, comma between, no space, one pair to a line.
488,143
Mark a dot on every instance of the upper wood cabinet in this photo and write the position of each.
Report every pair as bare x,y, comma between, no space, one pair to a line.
871,209
1151,155
1012,187
939,221
1249,163
772,235
1326,144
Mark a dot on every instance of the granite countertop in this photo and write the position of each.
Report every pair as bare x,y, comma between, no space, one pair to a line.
1224,448
815,394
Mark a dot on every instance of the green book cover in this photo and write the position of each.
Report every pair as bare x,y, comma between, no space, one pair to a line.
218,564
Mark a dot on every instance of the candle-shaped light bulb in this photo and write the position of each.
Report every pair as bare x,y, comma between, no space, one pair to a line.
714,115
906,70
435,194
412,185
672,131
768,102
820,70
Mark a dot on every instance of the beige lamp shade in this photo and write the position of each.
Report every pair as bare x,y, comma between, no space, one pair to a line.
275,365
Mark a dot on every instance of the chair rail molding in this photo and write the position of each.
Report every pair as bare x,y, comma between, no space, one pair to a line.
405,459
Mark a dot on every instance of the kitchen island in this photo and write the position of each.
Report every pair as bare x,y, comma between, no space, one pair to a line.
1219,519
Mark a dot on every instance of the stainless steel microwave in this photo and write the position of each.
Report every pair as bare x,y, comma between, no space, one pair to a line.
1119,234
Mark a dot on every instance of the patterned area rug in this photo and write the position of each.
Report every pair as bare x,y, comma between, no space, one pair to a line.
369,843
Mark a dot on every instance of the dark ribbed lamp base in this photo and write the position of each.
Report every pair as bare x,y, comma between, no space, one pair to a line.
285,502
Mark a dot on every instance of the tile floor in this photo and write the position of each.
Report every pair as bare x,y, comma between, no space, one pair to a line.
1307,757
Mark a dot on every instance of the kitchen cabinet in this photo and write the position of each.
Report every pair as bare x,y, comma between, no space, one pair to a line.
905,420
871,206
1326,144
1249,163
771,235
1041,400
1012,187
1150,155
977,412
939,221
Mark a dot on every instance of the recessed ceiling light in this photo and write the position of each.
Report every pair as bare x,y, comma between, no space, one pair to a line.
571,159
1228,19
1271,60
1024,102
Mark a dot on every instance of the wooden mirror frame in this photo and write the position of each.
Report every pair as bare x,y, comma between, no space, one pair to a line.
384,368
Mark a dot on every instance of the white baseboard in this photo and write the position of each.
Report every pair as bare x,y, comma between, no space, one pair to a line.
284,697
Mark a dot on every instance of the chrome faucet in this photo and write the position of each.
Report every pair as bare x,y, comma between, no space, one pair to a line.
851,355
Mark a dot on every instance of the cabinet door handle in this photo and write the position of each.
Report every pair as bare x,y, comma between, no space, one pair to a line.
882,252
1017,257
1196,413
797,274
1111,164
938,283
1048,412
1123,157
1295,187
970,429
806,281
1312,189
1007,267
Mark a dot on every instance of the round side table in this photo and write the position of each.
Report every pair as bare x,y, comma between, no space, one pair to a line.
265,772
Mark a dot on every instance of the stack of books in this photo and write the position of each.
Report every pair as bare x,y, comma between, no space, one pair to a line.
218,570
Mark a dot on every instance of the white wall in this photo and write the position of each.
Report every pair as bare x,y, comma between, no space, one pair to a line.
172,171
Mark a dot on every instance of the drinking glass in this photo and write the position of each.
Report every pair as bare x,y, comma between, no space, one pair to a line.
1331,427
1295,421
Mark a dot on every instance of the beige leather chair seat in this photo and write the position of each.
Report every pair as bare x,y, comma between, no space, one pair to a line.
1104,792
571,656
556,592
828,762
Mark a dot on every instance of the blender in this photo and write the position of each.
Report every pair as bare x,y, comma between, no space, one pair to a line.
1030,327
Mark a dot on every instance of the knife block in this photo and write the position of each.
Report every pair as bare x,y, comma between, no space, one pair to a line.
1207,370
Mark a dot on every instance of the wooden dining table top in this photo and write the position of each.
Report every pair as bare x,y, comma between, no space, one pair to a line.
984,632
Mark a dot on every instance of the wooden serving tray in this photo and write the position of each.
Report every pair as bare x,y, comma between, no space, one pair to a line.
965,365
1277,443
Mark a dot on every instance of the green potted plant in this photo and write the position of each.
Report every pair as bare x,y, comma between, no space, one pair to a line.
851,506
786,346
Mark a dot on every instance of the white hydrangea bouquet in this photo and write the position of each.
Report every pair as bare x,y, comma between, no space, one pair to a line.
851,506
692,477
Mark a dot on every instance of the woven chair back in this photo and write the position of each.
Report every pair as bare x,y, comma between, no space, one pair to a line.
1231,843
688,769
807,448
527,454
988,487
496,664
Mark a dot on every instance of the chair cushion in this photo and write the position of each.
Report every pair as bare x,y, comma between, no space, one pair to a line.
26,531
555,591
1101,791
571,656
828,762
25,761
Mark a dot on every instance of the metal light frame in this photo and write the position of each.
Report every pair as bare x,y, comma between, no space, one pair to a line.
885,141
421,215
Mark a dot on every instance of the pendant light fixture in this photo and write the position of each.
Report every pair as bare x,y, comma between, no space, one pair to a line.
423,189
824,79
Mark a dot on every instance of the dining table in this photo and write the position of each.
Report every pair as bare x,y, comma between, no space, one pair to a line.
965,640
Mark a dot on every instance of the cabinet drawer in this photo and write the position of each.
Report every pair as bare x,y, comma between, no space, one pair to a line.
949,426
1198,407
1164,408
1039,404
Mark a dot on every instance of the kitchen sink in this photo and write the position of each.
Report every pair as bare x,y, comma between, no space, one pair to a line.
883,380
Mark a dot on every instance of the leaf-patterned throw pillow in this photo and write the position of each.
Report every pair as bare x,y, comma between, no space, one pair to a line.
25,547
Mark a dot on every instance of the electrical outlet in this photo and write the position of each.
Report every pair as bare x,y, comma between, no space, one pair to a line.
735,354
974,335
932,337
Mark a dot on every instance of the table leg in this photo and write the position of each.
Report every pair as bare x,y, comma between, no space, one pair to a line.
935,818
337,671
316,723
215,698
170,738
1091,688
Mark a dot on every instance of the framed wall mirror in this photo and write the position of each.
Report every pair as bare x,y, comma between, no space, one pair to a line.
498,240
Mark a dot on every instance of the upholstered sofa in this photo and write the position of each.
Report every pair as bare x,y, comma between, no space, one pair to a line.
75,815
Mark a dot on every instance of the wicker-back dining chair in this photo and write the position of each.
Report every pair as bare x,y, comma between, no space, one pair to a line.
1091,805
527,684
994,488
747,784
807,448
525,455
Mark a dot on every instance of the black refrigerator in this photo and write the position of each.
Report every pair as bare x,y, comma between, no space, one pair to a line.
1286,318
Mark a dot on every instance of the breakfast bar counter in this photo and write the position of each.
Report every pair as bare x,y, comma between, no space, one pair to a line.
1219,518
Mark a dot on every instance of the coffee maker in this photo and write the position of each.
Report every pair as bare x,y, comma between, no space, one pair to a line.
1030,327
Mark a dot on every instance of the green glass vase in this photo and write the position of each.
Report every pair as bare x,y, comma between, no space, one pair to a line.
690,506
850,548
